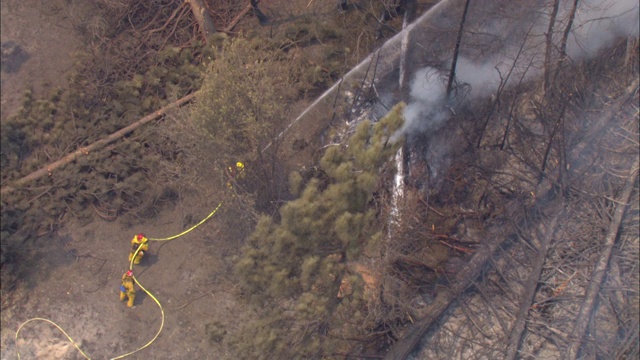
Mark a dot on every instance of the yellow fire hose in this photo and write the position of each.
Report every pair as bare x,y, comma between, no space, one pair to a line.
137,282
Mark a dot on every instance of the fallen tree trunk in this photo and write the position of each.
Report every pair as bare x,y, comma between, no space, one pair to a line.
48,169
465,278
205,23
584,316
236,19
517,331
406,345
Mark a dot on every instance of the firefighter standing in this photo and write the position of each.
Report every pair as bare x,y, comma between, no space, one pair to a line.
235,172
240,169
127,289
141,242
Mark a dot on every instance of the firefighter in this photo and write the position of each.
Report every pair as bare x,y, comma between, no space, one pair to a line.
235,172
127,289
141,242
240,169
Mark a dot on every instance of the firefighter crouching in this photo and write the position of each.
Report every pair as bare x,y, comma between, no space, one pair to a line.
127,289
138,241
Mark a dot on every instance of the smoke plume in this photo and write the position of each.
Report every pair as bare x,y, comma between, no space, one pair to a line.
520,58
596,25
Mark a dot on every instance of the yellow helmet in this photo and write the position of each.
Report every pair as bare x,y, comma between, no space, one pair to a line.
240,165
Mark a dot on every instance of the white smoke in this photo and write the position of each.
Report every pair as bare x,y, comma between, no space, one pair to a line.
427,95
599,23
425,110
596,25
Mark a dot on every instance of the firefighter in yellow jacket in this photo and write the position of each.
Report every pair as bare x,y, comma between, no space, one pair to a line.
235,173
127,289
138,241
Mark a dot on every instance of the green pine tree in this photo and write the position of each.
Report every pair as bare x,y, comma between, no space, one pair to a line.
293,268
241,99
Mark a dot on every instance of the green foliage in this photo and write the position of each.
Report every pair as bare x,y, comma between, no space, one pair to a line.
295,183
308,30
297,264
104,95
244,97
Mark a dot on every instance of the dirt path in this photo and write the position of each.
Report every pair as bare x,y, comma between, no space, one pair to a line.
73,280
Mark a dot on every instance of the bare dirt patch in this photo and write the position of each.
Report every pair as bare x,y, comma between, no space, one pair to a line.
72,278
38,40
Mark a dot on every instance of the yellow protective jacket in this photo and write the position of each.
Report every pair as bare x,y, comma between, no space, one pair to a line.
143,244
127,282
127,290
127,285
236,171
